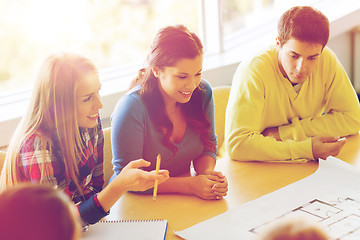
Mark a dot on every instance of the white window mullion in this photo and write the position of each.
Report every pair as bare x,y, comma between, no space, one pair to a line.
211,25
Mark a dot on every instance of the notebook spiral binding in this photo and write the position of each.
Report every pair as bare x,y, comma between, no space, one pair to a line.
120,221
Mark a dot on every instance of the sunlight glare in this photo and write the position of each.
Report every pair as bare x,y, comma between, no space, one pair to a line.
57,20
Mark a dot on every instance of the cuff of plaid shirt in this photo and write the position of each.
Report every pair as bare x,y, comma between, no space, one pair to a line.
91,211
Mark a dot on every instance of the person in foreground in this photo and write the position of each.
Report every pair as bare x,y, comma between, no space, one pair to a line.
170,110
294,228
60,142
37,212
293,101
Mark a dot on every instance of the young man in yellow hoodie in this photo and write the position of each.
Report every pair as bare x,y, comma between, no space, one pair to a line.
293,101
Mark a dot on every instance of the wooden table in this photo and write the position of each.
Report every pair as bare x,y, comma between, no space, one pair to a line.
247,181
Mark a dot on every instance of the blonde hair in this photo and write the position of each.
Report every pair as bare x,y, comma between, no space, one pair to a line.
52,115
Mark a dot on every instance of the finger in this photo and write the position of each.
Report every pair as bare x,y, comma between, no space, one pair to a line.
329,139
340,145
336,146
221,191
331,153
164,173
221,194
212,196
220,185
334,153
216,173
221,182
342,142
206,195
139,163
218,197
161,171
153,176
215,178
163,178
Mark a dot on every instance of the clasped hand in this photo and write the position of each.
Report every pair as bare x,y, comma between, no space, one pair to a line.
322,147
210,185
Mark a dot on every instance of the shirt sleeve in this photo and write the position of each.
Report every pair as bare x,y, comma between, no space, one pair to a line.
243,138
208,106
91,211
341,112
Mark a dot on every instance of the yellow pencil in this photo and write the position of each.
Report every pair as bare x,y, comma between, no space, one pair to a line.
158,160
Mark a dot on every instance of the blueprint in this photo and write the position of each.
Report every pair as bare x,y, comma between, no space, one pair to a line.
340,217
330,196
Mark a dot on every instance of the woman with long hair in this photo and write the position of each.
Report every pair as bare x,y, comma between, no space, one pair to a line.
170,110
60,142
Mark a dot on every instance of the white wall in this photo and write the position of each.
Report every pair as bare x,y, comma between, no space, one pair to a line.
341,45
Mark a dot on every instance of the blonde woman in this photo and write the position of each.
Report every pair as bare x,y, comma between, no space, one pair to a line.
59,141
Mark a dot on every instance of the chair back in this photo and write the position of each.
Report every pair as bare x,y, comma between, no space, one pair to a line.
221,96
108,167
2,159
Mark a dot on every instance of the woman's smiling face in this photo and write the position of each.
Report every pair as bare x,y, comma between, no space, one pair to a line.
177,83
88,101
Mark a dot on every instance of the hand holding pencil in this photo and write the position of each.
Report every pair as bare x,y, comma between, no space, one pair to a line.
132,178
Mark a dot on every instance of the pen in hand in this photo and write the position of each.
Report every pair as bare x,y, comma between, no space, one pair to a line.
158,160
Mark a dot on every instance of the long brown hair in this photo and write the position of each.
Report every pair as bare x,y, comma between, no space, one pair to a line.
52,115
171,44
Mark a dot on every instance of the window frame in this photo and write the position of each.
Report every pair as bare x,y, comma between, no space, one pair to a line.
221,53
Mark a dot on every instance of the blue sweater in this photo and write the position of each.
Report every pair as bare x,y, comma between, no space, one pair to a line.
134,136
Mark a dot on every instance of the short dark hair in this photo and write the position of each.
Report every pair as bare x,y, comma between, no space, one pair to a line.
305,24
36,211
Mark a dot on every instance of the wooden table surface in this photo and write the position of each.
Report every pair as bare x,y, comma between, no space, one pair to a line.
247,181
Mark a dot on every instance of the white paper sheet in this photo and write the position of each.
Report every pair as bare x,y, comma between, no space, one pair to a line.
335,185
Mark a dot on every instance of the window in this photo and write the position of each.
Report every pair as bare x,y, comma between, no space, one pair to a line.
243,20
117,33
110,32
241,13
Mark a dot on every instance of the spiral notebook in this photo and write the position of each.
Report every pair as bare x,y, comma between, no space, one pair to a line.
127,229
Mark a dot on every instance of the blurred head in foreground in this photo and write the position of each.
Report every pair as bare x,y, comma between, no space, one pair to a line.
293,228
36,211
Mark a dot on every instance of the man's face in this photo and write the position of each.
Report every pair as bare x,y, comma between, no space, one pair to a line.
298,59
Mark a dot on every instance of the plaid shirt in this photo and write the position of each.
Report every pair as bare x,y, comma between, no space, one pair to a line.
91,176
